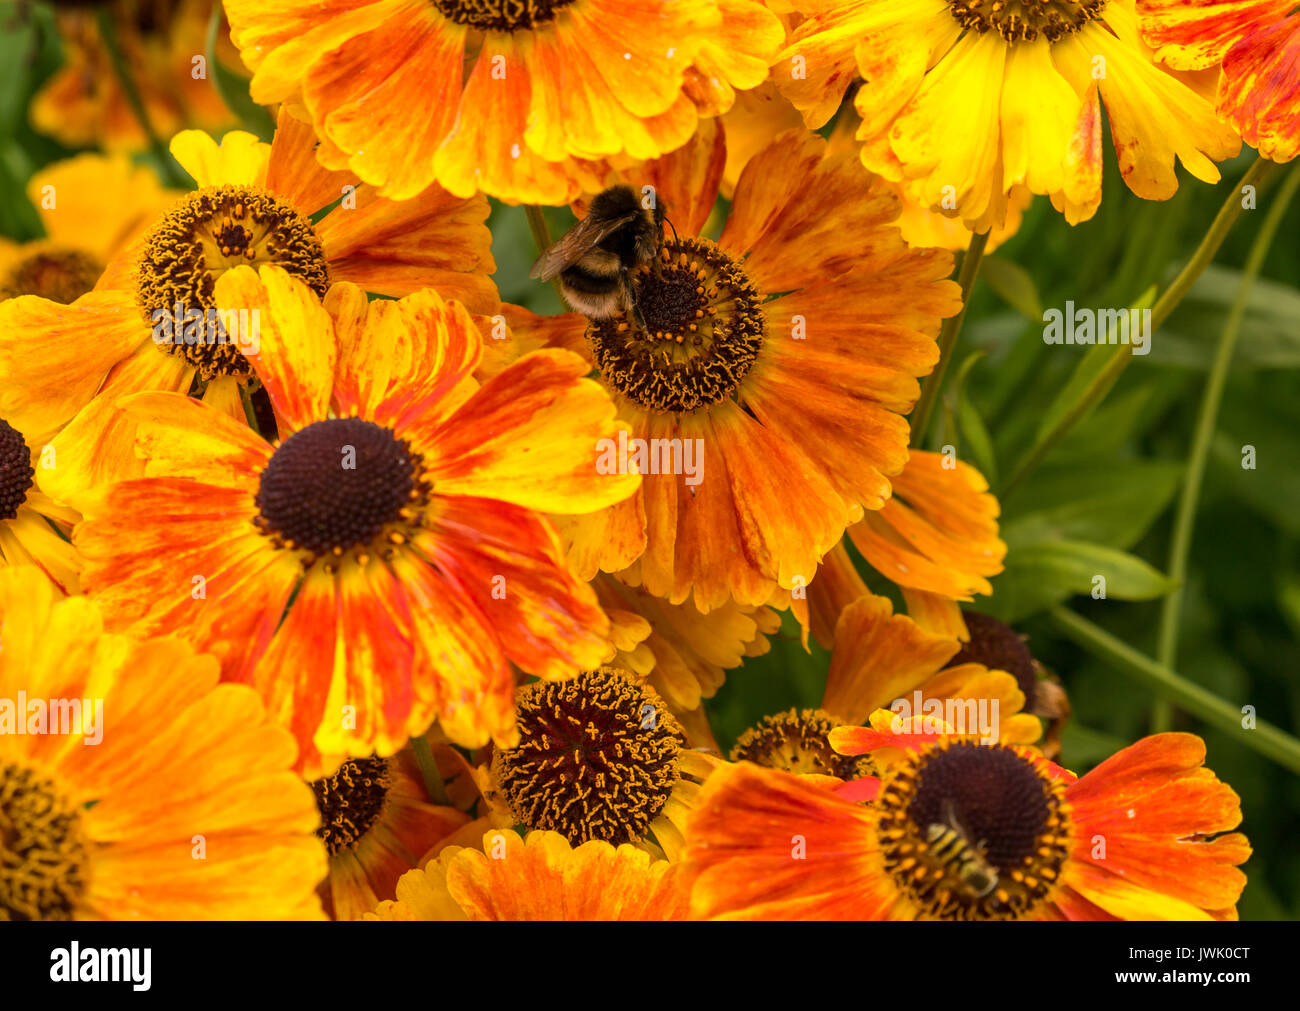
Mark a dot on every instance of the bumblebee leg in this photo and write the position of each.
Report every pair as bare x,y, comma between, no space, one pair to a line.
629,293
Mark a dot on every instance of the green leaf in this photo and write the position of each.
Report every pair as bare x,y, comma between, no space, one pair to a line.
1043,574
1087,372
1270,329
1111,503
1014,285
979,445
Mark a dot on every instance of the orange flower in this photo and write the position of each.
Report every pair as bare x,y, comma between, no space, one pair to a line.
785,355
599,757
958,831
377,567
377,823
34,529
1257,43
168,796
936,539
879,659
539,877
65,366
84,104
683,653
517,99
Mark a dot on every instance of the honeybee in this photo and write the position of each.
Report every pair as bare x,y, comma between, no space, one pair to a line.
596,257
951,843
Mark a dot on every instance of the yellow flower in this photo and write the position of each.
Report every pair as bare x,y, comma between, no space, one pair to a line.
91,207
34,529
168,797
539,877
966,101
514,99
66,366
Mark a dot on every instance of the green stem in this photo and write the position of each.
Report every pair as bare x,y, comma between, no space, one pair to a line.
250,412
1185,517
1173,295
166,166
1268,740
433,784
970,265
537,225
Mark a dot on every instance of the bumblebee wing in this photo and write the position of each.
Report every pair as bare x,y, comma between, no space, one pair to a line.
568,249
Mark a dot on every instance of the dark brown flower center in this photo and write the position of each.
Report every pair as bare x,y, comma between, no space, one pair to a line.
336,485
42,849
61,275
797,742
1026,20
351,801
16,473
704,327
193,244
597,757
501,15
999,647
972,832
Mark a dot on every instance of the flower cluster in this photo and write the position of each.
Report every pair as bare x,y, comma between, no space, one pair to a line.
416,603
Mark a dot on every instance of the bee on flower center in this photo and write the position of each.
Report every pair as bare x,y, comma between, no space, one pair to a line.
972,832
703,328
595,259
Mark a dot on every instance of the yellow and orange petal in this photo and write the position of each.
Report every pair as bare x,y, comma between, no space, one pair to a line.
539,877
395,628
377,823
527,102
938,534
962,118
105,345
234,837
764,844
1257,44
817,230
681,652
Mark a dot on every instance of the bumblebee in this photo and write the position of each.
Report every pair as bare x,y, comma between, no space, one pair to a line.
595,259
